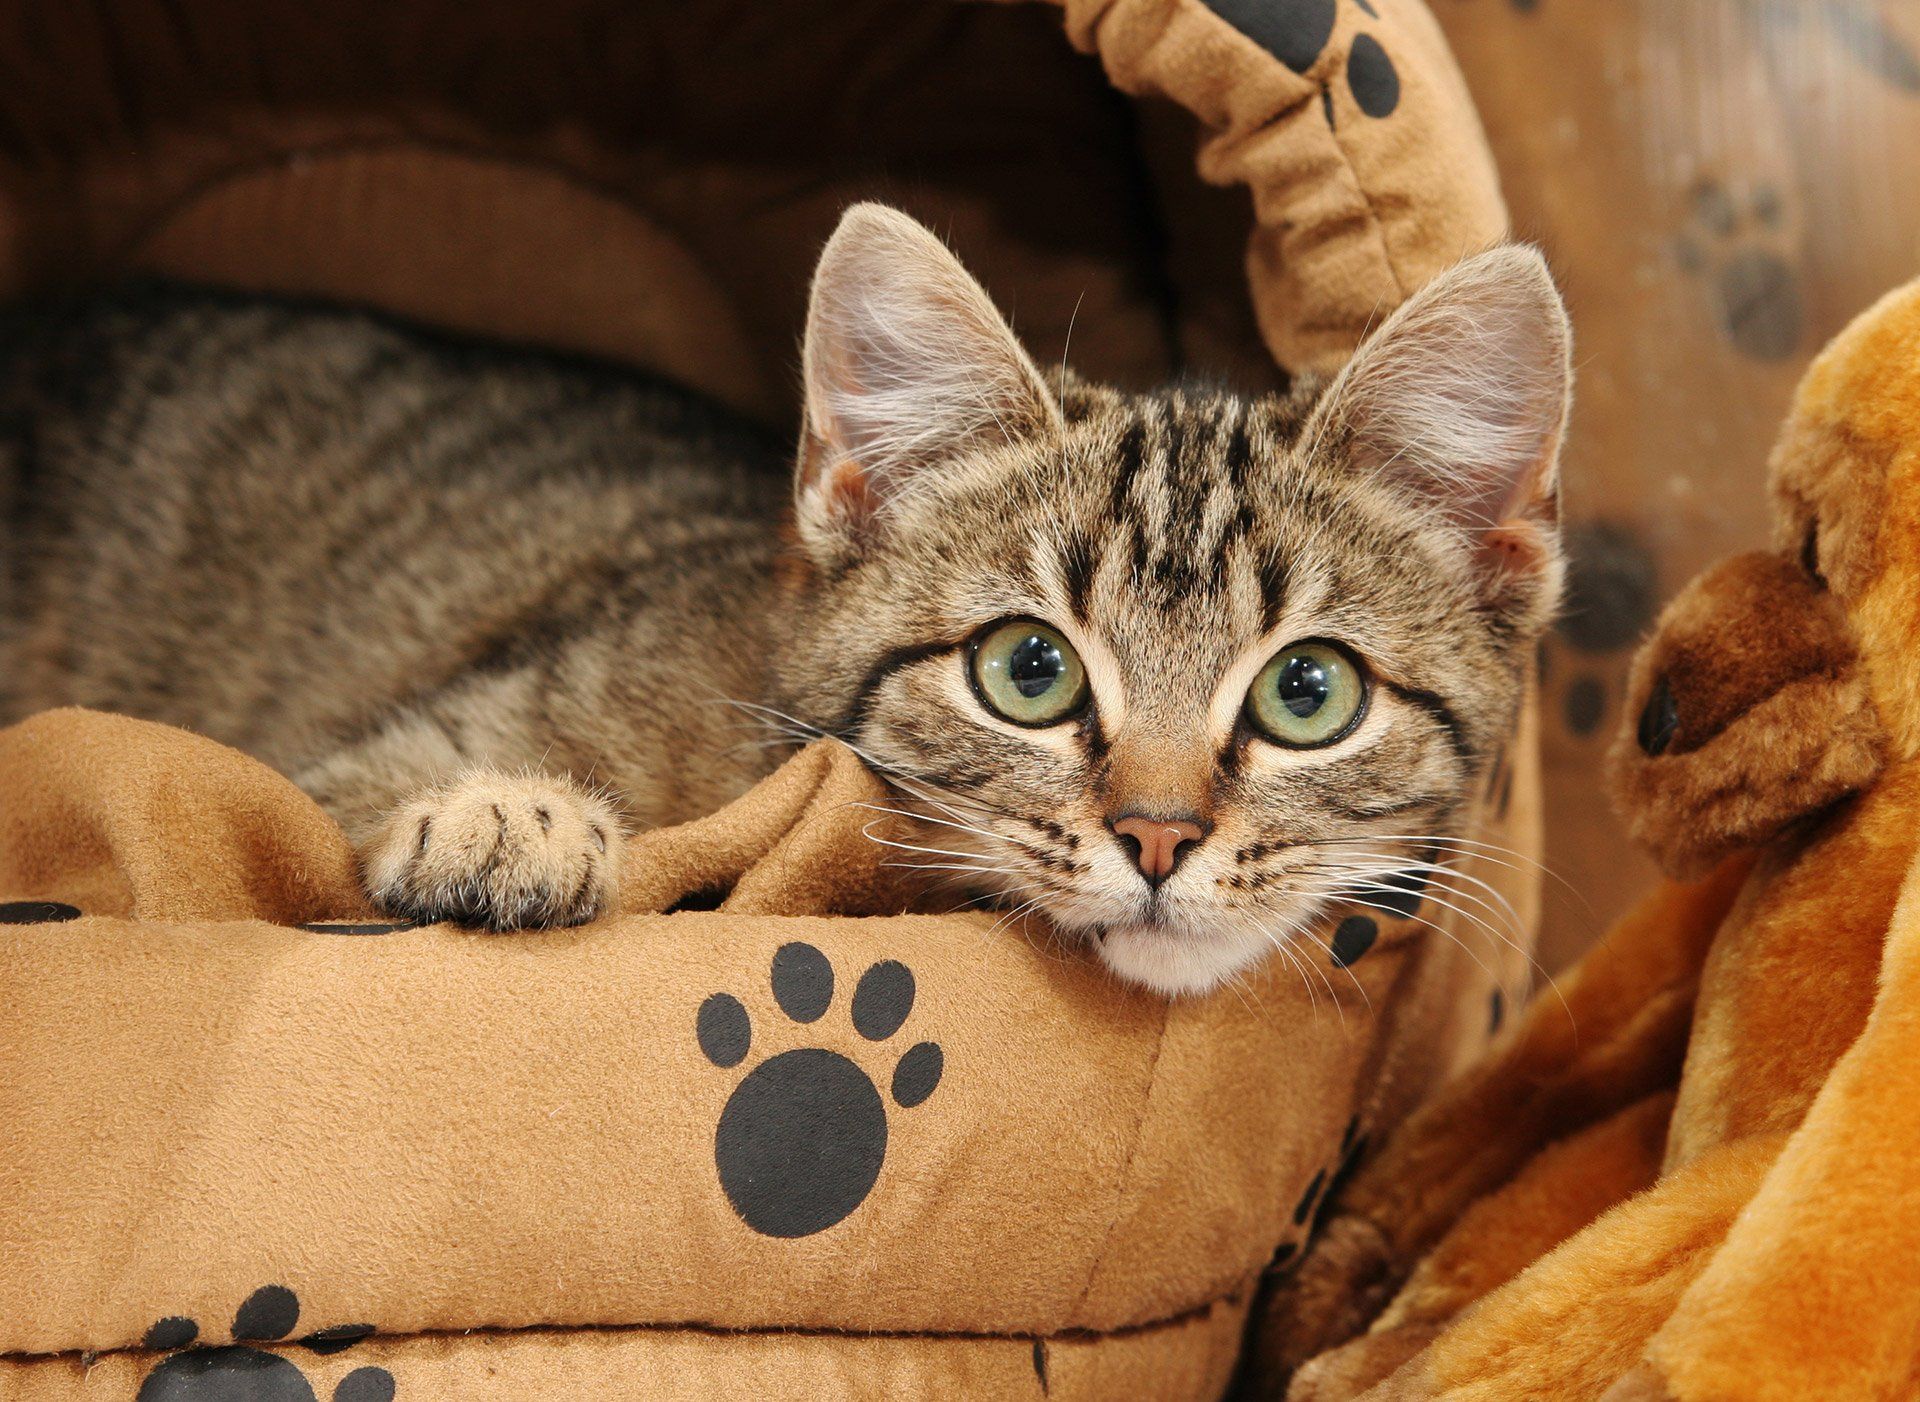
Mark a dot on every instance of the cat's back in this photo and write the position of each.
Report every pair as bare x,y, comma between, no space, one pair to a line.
260,517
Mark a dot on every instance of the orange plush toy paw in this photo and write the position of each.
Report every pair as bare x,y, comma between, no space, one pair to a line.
1700,1177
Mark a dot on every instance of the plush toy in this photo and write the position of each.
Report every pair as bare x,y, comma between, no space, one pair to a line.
1694,1176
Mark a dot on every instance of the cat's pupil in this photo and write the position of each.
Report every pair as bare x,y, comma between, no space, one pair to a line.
1303,686
1034,666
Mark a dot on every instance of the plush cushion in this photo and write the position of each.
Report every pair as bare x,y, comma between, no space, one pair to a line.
219,1072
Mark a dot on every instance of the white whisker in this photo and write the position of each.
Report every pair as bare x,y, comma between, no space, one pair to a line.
949,823
1498,904
969,863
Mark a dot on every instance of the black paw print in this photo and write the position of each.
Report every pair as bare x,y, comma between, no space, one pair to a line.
36,912
1753,289
1297,32
237,1373
1321,1190
800,1143
1613,593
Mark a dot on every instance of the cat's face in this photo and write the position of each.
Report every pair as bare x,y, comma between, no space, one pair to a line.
1176,670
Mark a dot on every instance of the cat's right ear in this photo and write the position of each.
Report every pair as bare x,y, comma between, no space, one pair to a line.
909,369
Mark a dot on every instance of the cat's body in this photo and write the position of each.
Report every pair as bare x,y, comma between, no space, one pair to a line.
1179,668
366,555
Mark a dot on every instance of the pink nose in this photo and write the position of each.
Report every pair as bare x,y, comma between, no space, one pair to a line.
1156,842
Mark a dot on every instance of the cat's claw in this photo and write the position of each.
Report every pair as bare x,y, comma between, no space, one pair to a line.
499,851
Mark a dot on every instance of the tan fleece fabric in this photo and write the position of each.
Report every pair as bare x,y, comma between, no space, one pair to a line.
1190,1357
436,1131
1353,208
568,174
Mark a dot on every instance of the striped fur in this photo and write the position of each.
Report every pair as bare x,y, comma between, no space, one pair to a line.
489,607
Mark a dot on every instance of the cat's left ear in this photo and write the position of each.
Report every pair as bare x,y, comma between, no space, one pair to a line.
1460,399
909,370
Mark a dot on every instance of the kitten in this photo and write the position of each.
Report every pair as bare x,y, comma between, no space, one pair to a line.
1169,666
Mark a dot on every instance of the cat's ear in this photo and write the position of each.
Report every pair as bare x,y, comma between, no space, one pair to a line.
908,369
1460,398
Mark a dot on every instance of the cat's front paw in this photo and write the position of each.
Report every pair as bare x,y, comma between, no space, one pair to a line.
500,851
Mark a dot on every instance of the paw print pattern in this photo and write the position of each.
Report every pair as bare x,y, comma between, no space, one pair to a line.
237,1373
36,912
1321,1191
1297,32
1613,592
1860,31
1732,244
802,1138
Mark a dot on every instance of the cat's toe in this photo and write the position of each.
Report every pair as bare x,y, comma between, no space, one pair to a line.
498,851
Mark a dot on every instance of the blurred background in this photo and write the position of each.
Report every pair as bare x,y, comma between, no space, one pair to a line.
1720,184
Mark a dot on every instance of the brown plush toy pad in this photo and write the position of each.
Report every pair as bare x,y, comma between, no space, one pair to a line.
1720,186
1710,1194
239,1112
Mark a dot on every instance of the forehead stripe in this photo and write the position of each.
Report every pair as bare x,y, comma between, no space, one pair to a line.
1239,451
1077,565
1126,464
1274,584
1187,490
1175,450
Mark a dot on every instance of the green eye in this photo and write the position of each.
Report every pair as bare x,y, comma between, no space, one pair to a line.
1028,673
1310,694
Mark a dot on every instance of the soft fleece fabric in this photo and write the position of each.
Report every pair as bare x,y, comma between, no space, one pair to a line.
507,1153
653,184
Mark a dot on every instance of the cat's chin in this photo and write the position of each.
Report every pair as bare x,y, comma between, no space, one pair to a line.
1176,963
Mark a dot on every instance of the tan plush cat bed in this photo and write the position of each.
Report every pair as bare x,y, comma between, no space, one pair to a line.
653,181
917,1155
564,1165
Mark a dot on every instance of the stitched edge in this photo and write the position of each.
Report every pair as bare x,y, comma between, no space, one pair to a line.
1180,1318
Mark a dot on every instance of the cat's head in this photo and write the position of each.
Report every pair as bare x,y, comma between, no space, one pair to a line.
1178,669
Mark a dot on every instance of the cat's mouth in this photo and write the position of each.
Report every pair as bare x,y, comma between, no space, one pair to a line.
1175,937
1171,938
1178,958
1177,948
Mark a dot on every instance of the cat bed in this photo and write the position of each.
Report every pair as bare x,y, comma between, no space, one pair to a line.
652,182
748,1143
760,1147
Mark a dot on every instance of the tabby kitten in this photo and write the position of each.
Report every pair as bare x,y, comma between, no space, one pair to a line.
1177,668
